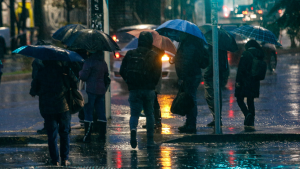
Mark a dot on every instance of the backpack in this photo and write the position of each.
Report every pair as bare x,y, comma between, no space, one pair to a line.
258,68
139,67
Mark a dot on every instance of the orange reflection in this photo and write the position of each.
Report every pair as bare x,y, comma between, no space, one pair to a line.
119,159
166,157
166,129
165,102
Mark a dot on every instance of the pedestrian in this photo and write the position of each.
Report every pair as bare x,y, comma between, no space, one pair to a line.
141,71
208,81
50,86
246,85
93,72
156,107
191,56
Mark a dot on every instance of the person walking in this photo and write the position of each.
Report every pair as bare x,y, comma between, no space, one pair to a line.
191,56
93,72
141,71
246,85
49,85
208,81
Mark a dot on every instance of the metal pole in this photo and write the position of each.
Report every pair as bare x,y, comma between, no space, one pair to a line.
106,57
214,20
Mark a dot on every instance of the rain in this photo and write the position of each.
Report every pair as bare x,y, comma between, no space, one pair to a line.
87,45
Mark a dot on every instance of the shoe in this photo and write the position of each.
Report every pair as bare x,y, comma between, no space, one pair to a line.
52,163
249,120
133,141
65,163
87,132
187,129
42,131
212,124
156,125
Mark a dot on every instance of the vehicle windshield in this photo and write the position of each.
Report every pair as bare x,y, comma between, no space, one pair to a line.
133,44
123,36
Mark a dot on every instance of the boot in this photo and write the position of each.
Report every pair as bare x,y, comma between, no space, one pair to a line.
101,128
87,132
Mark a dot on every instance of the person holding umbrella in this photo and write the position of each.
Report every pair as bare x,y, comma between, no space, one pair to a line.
93,73
50,84
246,85
191,56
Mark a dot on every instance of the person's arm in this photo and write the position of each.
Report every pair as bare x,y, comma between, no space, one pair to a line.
157,68
34,87
242,69
123,69
85,72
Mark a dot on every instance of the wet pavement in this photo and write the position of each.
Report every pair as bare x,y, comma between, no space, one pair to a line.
277,119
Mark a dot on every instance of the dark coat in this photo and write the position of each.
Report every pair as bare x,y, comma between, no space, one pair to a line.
93,71
155,66
37,64
187,58
51,89
246,86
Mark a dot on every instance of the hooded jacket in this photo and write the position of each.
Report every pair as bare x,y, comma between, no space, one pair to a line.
247,85
144,47
93,72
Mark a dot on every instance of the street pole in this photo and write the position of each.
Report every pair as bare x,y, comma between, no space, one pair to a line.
97,18
106,57
214,21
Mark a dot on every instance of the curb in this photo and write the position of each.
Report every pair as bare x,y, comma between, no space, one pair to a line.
7,78
168,138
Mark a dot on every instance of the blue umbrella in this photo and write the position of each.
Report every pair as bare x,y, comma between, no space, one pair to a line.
257,33
49,52
173,28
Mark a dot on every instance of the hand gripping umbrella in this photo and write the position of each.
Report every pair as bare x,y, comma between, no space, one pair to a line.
64,32
49,52
91,39
159,41
257,33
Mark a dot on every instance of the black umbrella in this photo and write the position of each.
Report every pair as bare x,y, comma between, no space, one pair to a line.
49,52
226,40
64,32
91,39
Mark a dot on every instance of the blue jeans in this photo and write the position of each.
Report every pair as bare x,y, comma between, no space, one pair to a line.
58,123
190,86
96,101
139,100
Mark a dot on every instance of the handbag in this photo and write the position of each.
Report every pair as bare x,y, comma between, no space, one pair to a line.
182,103
76,102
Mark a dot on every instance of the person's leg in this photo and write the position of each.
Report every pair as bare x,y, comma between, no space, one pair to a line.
157,112
88,117
242,105
250,103
64,131
191,86
148,100
136,106
52,130
209,97
101,121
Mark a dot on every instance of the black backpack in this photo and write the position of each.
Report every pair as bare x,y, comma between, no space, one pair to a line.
258,68
139,67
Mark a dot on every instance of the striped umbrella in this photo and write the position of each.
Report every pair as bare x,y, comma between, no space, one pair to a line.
257,33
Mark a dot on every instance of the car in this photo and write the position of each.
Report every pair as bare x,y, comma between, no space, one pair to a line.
234,57
122,38
168,70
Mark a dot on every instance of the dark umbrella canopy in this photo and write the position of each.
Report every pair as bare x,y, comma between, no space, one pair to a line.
257,33
225,39
91,39
64,32
49,52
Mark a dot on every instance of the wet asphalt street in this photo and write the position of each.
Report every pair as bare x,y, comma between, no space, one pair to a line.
277,111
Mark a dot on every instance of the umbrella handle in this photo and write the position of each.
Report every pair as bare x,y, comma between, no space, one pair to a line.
171,60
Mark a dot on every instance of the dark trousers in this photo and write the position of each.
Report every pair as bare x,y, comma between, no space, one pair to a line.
157,112
209,95
244,108
58,124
